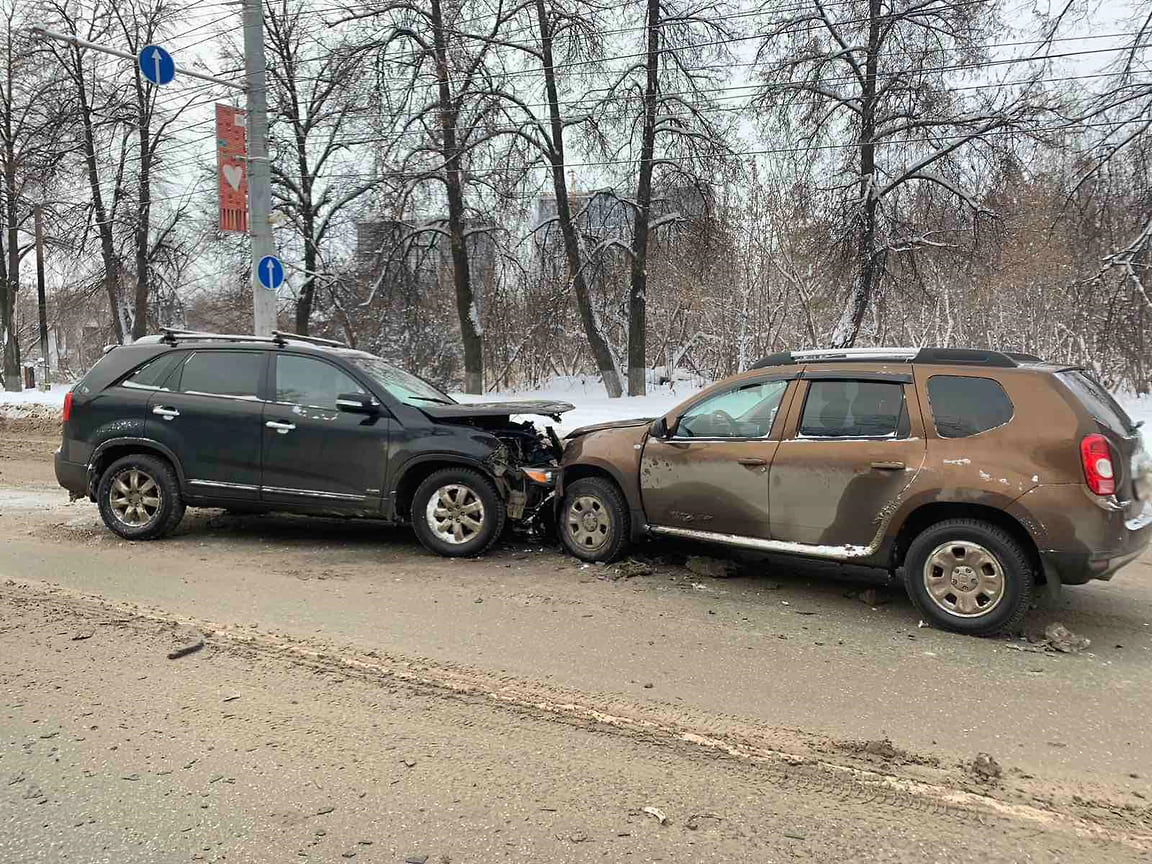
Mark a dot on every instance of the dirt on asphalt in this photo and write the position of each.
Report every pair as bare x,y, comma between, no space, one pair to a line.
356,698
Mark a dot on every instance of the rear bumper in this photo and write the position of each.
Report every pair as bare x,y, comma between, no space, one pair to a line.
73,476
1077,568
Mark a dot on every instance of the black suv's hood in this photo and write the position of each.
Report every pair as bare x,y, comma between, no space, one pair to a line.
540,407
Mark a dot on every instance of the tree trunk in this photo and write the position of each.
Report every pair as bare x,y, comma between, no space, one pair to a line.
143,214
601,352
103,223
868,259
12,379
638,290
471,332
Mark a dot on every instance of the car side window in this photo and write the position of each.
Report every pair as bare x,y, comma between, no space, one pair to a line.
964,406
154,374
223,373
310,382
854,409
746,412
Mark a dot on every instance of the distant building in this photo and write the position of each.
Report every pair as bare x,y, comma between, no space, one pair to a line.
604,214
424,255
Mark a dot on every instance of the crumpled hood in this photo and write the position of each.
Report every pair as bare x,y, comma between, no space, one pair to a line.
613,424
539,407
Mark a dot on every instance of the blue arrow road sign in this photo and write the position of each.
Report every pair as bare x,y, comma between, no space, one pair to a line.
156,64
270,272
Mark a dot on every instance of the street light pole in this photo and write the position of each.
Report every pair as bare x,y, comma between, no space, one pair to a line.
259,170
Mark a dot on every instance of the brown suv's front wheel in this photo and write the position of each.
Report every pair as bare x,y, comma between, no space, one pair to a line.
969,576
593,522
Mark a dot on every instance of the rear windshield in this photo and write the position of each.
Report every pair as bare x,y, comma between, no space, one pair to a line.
1098,401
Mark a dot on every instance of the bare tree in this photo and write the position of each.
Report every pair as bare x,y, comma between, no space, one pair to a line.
663,95
29,153
870,81
316,96
445,97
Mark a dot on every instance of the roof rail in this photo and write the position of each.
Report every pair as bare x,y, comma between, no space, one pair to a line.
281,335
943,356
172,334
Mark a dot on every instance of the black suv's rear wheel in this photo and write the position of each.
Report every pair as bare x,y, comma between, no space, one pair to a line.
457,512
139,497
969,576
593,521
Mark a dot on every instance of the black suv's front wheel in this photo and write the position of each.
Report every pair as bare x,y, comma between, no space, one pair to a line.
139,497
457,512
969,576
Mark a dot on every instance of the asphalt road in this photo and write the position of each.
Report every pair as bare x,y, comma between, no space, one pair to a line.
771,700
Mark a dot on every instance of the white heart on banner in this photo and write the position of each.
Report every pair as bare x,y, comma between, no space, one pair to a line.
233,174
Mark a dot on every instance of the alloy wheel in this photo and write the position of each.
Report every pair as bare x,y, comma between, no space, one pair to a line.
135,497
455,513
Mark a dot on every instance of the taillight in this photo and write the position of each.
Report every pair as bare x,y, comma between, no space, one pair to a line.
1097,459
67,405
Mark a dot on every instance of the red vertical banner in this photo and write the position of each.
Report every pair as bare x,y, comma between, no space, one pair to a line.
232,168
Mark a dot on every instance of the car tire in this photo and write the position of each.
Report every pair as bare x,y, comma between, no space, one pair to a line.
970,576
126,504
594,521
469,518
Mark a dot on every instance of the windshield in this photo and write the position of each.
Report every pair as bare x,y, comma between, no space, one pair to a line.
403,385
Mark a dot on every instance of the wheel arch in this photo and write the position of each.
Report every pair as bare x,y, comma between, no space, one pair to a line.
927,515
109,451
417,470
581,470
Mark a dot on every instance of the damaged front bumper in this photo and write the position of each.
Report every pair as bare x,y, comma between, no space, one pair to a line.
530,489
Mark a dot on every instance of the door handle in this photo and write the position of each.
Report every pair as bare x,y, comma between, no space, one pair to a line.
752,460
281,428
166,413
888,466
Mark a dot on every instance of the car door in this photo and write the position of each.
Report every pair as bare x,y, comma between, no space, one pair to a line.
853,444
711,473
316,455
210,416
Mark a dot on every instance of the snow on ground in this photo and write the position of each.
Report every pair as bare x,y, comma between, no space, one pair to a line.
592,402
33,403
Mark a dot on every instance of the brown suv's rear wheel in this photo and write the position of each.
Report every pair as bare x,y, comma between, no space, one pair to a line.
969,576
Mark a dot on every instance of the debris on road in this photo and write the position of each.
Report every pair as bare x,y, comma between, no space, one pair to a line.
985,768
1056,638
656,813
79,637
190,645
632,568
1061,639
717,568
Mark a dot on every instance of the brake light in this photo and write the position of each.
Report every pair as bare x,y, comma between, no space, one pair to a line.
67,405
1096,456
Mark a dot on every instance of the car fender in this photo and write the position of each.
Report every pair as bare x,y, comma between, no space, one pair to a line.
140,444
401,471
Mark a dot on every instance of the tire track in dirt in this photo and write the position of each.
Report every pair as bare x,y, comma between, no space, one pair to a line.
787,759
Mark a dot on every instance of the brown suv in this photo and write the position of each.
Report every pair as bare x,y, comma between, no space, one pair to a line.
973,475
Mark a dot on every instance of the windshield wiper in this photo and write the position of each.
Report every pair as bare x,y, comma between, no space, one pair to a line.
432,399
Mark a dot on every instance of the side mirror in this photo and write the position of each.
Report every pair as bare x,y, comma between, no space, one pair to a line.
659,428
357,403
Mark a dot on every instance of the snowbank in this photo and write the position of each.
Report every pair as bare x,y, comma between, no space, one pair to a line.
33,403
592,403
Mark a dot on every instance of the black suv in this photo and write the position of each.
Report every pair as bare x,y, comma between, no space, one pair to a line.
297,424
